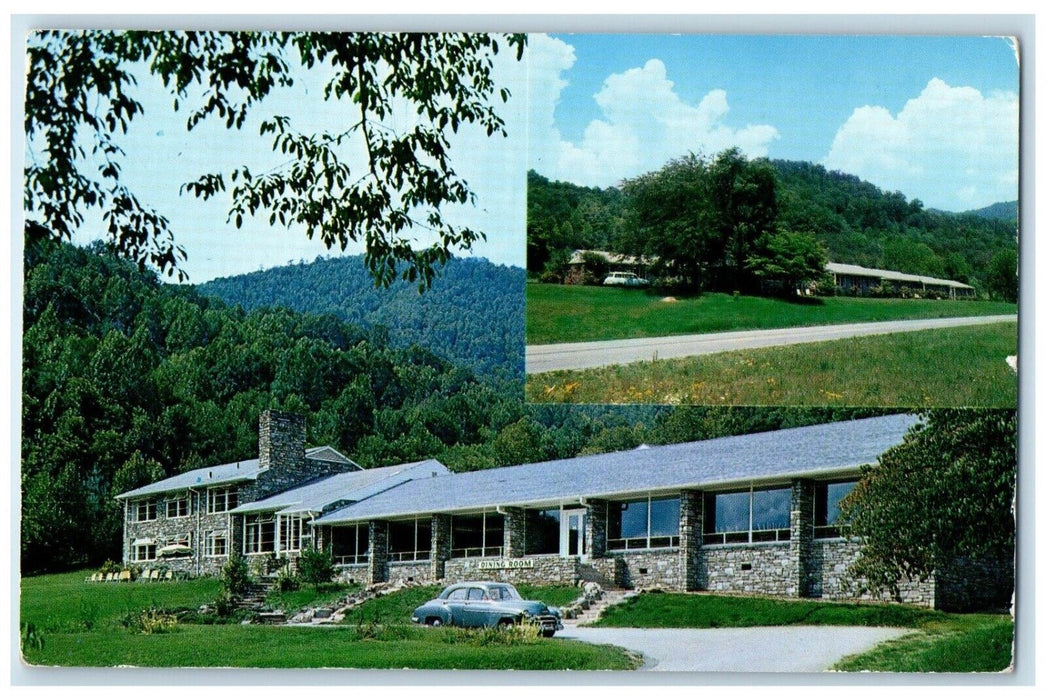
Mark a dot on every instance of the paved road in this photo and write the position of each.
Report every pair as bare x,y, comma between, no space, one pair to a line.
546,358
749,649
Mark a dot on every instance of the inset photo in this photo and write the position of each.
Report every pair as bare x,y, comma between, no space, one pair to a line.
773,220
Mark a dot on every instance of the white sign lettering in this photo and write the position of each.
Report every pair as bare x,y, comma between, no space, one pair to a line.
491,564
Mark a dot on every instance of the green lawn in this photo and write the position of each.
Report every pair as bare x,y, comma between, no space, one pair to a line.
569,313
940,642
940,367
75,623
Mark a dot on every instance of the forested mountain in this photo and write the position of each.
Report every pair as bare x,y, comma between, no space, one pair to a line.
1006,211
854,220
473,314
126,380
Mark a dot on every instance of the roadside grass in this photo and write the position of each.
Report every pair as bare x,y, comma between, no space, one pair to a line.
256,646
963,644
309,596
68,622
572,313
939,367
940,642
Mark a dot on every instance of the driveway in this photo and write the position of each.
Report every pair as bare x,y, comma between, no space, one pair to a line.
558,356
748,649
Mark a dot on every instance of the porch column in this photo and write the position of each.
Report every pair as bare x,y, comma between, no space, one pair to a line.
596,528
691,521
440,550
377,562
515,533
802,536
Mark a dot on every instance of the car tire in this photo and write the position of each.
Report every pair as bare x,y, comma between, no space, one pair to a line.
547,634
434,622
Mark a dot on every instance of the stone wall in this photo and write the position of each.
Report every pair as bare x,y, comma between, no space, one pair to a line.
197,525
968,585
353,573
549,570
765,568
416,571
829,564
655,568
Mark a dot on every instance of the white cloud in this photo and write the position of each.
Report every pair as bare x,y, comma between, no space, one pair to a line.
951,147
644,123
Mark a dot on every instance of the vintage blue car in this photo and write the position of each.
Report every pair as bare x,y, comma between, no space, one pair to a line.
486,604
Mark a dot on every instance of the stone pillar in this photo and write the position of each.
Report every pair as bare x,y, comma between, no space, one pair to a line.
802,537
378,541
596,529
440,550
515,533
691,525
281,449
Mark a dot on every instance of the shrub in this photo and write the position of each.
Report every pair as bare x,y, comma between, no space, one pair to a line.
316,566
151,621
235,577
287,581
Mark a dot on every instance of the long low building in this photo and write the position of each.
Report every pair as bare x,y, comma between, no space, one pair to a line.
754,513
862,279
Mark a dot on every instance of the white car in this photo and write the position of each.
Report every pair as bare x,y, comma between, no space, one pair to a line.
625,279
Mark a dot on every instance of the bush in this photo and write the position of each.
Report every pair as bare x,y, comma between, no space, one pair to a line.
151,621
287,581
316,566
235,577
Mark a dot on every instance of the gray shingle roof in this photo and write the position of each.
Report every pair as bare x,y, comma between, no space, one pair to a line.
858,271
349,486
817,450
246,470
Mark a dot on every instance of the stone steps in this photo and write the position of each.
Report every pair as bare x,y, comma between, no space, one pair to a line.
596,608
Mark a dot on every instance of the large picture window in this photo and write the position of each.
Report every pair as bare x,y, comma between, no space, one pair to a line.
350,544
477,536
259,536
755,515
644,523
143,511
410,540
222,499
827,513
542,531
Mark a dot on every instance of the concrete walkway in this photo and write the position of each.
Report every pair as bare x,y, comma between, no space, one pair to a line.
559,356
739,650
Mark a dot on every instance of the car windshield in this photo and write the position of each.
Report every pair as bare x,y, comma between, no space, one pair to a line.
503,593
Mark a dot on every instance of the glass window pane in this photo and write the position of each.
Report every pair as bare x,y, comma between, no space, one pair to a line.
836,493
495,530
401,536
664,517
731,512
466,531
542,531
633,519
771,509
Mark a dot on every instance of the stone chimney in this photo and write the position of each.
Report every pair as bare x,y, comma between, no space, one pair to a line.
281,443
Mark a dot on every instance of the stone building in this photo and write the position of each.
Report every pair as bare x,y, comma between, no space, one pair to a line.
861,280
745,514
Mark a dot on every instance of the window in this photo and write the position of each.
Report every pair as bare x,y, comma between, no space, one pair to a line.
145,551
143,511
410,540
644,523
222,499
178,506
293,533
217,544
477,536
259,536
755,515
542,531
827,514
350,544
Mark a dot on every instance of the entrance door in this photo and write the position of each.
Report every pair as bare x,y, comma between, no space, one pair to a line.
572,533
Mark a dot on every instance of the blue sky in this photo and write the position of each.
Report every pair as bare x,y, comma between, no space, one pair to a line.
933,117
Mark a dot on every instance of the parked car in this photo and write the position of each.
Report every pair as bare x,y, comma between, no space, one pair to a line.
486,604
625,279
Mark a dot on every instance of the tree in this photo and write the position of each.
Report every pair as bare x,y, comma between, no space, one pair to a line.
947,491
744,211
789,259
79,99
1002,275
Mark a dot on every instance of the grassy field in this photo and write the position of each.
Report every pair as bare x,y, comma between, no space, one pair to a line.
940,642
74,623
941,367
570,313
